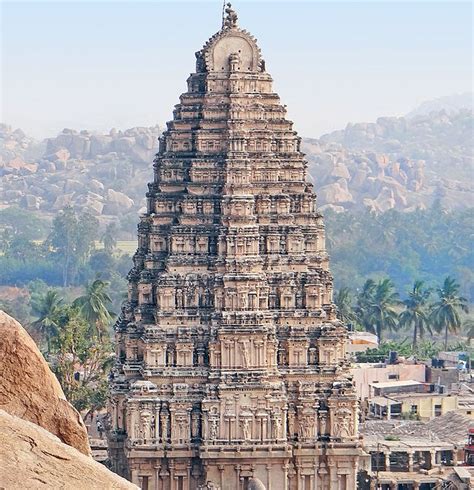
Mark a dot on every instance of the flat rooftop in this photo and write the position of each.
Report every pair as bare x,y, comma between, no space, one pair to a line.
450,428
396,384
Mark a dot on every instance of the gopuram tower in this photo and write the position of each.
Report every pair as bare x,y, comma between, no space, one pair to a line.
231,370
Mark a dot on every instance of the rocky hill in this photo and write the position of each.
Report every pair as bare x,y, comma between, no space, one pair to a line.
401,163
105,173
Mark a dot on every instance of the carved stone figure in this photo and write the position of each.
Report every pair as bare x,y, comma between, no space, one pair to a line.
246,433
342,423
231,19
213,429
164,425
244,349
277,426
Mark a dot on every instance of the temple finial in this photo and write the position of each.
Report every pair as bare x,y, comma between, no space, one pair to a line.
230,20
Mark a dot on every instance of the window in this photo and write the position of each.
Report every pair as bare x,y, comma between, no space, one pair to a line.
437,410
393,376
414,409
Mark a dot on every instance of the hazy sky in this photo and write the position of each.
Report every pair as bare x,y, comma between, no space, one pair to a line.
96,65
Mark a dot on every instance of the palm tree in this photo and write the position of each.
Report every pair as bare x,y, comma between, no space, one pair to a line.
364,299
46,308
445,313
416,311
376,307
343,301
94,306
468,325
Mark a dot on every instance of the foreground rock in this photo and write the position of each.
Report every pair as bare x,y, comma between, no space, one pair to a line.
29,390
31,457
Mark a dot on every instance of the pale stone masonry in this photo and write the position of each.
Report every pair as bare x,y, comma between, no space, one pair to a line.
231,370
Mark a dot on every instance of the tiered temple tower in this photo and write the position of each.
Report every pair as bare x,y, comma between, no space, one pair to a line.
231,370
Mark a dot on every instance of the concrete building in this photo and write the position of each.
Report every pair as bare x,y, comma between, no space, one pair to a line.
422,406
366,375
231,365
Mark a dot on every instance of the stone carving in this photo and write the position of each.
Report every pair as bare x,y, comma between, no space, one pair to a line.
146,424
277,427
213,429
165,416
234,62
209,486
229,322
344,423
244,349
181,427
323,419
231,18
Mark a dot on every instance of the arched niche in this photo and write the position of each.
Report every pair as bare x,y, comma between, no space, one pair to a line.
235,43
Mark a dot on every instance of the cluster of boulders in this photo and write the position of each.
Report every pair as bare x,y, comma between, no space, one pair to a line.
43,440
138,143
395,163
347,179
105,174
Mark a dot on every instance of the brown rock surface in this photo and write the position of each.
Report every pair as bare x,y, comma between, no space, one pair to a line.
29,390
31,457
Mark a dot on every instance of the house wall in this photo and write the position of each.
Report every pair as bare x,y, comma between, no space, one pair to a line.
426,405
370,373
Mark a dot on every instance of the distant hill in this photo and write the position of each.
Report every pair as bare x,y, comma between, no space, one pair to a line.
450,104
394,163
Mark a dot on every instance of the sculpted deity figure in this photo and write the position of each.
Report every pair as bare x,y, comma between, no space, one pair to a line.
137,430
246,429
213,429
182,426
306,427
244,349
342,424
277,426
323,418
148,425
164,426
195,423
179,299
291,423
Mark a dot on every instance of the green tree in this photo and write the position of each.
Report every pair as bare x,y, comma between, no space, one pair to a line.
416,312
46,308
468,326
445,313
363,304
109,237
72,237
94,306
81,361
22,249
17,222
343,302
376,307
